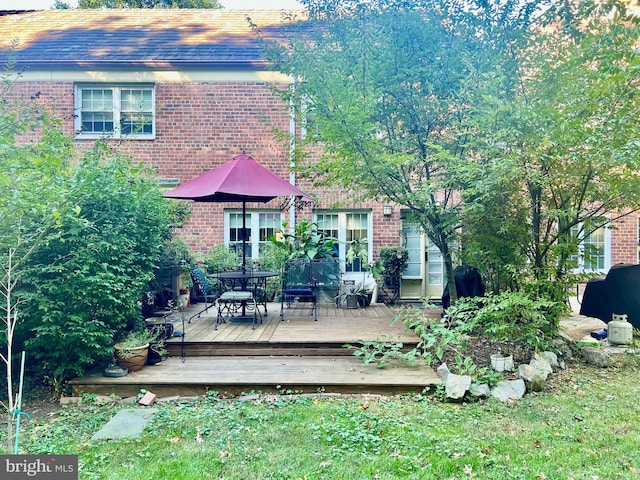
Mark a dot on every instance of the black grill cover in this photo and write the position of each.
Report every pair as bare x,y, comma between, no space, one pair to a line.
618,293
468,284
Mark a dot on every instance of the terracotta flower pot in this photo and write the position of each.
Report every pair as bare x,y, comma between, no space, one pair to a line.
132,359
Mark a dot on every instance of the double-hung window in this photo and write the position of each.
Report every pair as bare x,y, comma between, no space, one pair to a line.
594,250
115,111
346,228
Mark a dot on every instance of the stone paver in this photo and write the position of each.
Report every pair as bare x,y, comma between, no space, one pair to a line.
127,423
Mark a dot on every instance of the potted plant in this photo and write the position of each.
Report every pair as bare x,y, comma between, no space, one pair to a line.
394,261
132,351
358,250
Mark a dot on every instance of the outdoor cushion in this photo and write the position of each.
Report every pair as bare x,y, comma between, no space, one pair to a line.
299,291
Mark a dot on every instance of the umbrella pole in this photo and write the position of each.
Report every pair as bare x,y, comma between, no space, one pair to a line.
244,236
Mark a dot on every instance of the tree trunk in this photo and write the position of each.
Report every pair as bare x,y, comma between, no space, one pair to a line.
451,281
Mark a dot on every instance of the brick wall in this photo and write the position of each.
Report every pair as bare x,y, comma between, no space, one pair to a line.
201,125
624,240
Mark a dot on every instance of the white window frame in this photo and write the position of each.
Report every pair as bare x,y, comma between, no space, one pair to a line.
342,234
580,256
252,225
116,111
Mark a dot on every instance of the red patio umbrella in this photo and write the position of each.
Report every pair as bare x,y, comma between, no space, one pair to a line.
239,180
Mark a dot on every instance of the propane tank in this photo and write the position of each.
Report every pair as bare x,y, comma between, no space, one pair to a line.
619,331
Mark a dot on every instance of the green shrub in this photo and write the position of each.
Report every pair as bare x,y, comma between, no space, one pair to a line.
394,261
220,257
83,285
507,317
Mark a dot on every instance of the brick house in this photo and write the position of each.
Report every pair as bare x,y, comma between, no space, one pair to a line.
186,90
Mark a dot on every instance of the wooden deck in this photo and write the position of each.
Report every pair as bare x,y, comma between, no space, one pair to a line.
297,354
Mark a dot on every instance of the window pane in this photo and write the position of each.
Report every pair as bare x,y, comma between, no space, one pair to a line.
357,230
97,122
136,109
413,245
97,100
591,255
97,111
136,123
435,266
136,100
594,250
328,227
268,224
235,234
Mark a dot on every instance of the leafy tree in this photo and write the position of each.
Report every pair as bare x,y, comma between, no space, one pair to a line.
31,205
514,119
145,4
560,156
388,90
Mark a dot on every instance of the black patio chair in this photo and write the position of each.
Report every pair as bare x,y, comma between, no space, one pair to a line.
298,286
203,291
238,296
303,281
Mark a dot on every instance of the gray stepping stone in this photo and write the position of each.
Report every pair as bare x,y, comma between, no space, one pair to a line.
127,423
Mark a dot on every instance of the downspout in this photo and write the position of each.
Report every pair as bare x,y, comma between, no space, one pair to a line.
292,146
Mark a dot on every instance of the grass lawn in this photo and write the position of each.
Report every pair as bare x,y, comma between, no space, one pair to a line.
585,426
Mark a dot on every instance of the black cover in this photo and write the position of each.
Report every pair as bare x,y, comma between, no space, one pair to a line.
618,293
594,300
468,284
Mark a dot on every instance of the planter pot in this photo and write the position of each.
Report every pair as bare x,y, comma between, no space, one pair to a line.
184,299
364,301
351,301
502,363
153,356
115,371
134,359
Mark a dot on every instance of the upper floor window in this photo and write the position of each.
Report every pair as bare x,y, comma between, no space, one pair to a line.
115,111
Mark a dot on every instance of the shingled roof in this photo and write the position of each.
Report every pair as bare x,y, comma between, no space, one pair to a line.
145,38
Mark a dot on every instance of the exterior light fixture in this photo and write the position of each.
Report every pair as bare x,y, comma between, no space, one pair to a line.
387,210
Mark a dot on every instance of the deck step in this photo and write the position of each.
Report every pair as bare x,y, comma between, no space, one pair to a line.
275,374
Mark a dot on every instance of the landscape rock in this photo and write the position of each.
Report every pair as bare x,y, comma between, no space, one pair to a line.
509,390
173,398
550,357
480,390
248,398
443,372
541,364
456,386
597,357
534,378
